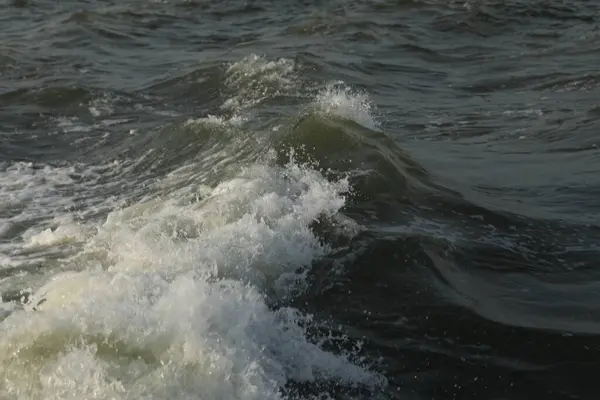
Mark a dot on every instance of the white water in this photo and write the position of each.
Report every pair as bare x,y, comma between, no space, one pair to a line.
339,100
167,300
169,297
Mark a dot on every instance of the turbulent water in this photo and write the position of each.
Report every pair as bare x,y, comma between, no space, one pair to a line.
378,199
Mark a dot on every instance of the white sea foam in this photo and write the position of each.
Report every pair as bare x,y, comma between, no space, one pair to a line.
65,231
214,120
169,299
45,205
36,187
339,100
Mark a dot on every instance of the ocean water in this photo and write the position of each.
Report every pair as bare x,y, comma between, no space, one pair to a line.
374,199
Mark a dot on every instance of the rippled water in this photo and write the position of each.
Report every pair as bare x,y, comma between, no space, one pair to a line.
301,199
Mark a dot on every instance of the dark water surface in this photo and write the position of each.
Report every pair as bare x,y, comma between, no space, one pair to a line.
300,199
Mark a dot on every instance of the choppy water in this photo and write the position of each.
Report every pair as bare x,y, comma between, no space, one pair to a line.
376,199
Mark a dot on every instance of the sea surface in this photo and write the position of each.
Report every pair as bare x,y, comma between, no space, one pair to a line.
296,199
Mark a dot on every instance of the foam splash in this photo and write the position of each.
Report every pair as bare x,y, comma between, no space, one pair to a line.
66,231
23,183
344,102
170,299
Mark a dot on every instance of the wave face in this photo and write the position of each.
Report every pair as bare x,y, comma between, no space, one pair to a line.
236,200
182,288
